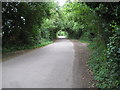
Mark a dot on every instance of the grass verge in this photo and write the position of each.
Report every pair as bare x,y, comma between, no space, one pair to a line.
25,47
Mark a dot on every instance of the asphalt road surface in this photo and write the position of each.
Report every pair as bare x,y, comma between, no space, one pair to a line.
47,67
62,64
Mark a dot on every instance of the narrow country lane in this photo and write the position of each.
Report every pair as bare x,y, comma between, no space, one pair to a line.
62,64
47,67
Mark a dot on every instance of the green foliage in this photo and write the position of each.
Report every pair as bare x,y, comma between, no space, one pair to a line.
113,57
108,10
29,25
21,24
25,47
105,57
99,24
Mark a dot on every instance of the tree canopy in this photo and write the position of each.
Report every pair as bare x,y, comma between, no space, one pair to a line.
27,24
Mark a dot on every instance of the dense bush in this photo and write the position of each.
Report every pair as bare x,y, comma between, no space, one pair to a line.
106,66
113,58
21,22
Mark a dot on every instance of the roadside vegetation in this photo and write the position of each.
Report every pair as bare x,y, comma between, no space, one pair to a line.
29,25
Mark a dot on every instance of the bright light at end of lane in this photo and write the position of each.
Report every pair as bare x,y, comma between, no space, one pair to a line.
61,2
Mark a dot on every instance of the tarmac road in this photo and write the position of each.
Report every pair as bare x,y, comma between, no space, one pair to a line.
47,67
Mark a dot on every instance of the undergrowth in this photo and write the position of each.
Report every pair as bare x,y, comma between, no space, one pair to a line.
24,47
104,61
